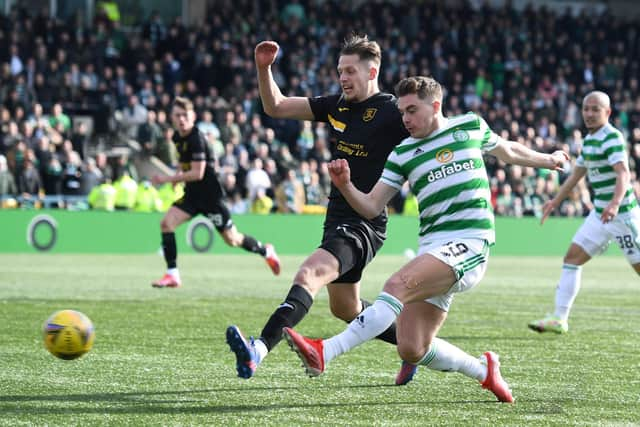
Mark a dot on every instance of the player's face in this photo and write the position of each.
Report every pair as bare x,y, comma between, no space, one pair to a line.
355,76
418,115
182,119
594,113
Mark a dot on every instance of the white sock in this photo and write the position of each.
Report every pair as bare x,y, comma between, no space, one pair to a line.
567,289
444,356
261,349
174,273
374,320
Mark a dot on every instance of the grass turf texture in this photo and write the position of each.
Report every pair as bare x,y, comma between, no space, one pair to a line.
160,357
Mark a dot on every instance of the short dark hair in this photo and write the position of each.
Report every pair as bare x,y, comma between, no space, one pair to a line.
424,87
363,47
182,102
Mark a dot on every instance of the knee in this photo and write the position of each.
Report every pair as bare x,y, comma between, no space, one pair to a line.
395,283
572,259
306,276
576,255
413,351
569,258
232,239
166,226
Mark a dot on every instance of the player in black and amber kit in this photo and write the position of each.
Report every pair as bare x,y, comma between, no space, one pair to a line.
365,125
203,194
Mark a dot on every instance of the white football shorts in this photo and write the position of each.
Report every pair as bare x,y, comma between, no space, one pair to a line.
467,257
594,236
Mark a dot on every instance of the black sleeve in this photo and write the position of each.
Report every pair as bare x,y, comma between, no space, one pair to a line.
321,106
198,148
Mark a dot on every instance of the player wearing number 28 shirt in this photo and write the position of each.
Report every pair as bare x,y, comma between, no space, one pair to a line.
615,216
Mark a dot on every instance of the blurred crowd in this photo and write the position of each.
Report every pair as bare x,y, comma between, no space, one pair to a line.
524,71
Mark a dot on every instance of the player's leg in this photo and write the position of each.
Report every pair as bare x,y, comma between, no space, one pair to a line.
418,326
355,245
412,342
590,240
320,268
422,277
429,275
345,303
420,321
171,220
625,232
220,216
234,238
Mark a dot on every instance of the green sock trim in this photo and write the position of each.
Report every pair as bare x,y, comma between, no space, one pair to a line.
392,302
428,358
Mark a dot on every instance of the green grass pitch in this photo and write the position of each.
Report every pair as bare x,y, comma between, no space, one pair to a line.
160,357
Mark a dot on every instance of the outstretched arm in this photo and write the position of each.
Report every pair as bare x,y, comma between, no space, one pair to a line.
369,205
274,102
577,174
515,153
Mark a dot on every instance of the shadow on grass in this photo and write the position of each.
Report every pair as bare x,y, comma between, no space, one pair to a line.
132,396
528,336
153,402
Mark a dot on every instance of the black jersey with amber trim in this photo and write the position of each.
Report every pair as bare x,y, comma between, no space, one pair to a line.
364,134
193,148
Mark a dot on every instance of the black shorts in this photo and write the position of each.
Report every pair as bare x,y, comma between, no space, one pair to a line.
354,243
213,209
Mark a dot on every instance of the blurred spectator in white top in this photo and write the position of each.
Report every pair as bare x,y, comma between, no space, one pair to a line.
257,179
207,126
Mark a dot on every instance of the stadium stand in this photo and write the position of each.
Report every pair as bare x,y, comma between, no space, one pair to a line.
83,103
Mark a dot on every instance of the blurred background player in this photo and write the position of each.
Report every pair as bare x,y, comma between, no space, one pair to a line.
203,194
443,163
365,126
615,215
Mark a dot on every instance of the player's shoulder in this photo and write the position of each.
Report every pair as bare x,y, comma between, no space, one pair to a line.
407,144
606,134
609,131
469,118
332,99
197,136
381,99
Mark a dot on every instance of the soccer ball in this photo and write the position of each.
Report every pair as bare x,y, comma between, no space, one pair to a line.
68,334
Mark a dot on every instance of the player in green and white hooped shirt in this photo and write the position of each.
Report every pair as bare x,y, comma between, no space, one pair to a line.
616,215
442,161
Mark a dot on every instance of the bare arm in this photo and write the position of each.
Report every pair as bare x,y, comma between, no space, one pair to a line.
515,153
577,174
274,102
369,205
622,181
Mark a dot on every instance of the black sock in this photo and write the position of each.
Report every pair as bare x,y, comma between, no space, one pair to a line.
389,335
289,313
252,245
169,249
